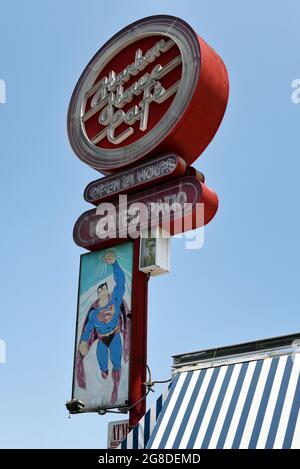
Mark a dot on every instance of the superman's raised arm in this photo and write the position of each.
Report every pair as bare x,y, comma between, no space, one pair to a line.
119,289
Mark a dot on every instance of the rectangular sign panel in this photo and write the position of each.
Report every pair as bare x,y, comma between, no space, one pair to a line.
117,431
102,347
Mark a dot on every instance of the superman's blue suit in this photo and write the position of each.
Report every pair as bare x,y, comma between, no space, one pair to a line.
104,323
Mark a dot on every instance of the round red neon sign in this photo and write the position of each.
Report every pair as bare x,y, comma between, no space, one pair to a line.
154,87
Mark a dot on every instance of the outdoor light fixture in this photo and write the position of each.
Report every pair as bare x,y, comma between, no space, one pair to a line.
75,406
155,252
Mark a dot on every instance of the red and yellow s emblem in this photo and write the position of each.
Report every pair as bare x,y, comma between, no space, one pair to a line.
106,314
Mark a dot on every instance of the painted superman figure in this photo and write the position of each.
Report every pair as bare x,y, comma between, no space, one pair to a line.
105,320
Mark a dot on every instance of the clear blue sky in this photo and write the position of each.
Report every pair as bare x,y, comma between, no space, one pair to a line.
242,285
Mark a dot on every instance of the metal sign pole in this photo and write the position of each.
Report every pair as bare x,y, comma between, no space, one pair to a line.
138,360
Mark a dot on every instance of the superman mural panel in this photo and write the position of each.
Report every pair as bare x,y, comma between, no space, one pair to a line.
102,350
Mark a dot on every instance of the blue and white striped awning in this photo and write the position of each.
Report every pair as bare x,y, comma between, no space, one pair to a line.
138,437
251,404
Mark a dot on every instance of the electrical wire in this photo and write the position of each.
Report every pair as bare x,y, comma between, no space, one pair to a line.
148,384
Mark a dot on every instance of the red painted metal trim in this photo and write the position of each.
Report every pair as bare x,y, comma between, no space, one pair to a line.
191,171
198,125
138,354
